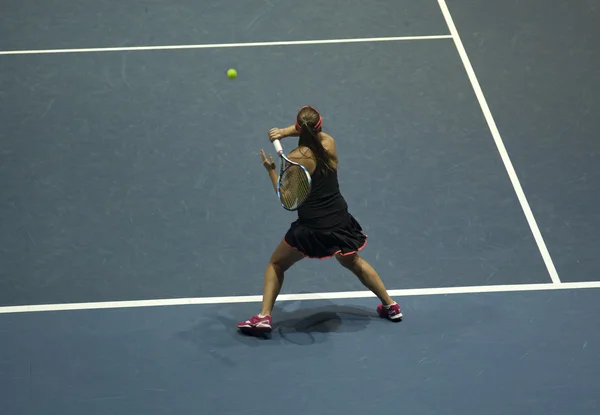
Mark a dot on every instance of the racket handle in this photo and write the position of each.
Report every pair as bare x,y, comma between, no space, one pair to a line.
277,146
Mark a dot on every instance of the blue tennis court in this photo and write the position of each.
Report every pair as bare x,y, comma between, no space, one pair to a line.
136,219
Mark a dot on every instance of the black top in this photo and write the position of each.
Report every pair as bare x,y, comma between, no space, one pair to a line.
325,208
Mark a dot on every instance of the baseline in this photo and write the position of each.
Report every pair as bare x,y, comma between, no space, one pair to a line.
298,297
224,45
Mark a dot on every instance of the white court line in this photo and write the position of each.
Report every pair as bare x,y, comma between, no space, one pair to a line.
225,45
299,297
500,144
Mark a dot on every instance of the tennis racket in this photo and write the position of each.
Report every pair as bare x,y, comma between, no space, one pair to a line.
294,185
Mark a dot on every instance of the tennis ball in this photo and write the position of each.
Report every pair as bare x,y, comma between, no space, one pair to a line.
232,73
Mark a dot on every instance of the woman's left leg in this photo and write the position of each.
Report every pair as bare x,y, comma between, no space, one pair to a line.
281,260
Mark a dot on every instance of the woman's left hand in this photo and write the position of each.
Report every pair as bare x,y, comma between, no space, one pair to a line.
268,163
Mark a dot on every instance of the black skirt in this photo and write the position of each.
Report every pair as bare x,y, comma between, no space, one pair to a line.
346,239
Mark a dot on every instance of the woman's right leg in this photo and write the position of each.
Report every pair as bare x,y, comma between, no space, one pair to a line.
370,279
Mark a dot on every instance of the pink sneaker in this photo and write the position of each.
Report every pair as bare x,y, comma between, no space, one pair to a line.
393,312
256,325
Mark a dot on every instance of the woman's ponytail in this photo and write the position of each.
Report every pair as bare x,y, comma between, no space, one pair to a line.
309,125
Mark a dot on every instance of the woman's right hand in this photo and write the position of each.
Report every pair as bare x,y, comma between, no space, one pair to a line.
276,134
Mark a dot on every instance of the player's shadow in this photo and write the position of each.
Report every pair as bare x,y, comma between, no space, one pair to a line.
323,319
305,326
312,325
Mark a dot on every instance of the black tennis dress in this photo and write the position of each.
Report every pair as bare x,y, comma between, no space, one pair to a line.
324,227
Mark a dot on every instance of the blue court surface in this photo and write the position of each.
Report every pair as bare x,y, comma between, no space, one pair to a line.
136,219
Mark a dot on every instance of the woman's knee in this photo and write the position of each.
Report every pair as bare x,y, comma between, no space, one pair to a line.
284,257
280,264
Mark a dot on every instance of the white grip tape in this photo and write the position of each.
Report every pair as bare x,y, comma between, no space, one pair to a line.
277,146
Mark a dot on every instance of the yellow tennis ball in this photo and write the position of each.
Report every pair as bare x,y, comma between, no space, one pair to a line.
232,73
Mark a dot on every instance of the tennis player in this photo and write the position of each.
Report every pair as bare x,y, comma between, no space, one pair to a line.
324,227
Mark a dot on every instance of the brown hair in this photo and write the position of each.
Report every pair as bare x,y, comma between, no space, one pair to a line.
308,123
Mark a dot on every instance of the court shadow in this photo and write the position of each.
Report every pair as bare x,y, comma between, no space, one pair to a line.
312,325
323,319
303,326
218,341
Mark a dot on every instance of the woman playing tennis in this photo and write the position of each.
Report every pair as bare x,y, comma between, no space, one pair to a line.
324,227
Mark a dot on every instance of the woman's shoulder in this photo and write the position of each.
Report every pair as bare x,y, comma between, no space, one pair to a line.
304,156
302,152
328,144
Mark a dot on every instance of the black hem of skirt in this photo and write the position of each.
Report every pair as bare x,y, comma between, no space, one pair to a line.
346,239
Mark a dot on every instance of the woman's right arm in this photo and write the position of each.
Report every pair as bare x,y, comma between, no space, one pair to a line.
279,133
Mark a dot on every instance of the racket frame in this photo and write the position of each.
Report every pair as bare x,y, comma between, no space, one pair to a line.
283,160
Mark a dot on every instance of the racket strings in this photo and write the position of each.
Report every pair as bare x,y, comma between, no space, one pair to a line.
295,187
